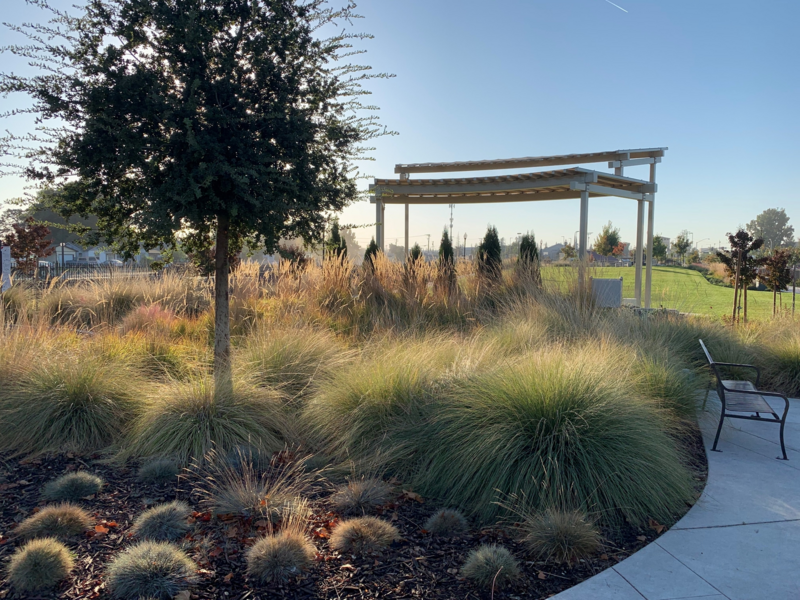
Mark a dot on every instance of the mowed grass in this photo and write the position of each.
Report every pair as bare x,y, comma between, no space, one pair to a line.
686,290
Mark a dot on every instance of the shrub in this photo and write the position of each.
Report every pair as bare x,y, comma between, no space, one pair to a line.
63,522
295,361
68,402
562,535
239,488
40,564
159,471
561,427
184,420
446,522
163,523
361,495
72,486
278,557
490,565
363,535
150,570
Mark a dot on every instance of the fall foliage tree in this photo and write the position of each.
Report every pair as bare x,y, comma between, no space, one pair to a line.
777,274
742,266
29,243
607,241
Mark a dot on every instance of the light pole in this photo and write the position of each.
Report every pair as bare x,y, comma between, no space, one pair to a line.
63,262
465,245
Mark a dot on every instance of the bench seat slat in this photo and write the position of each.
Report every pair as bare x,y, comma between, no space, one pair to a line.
744,402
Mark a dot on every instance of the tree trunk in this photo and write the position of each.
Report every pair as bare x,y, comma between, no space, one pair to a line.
744,289
222,326
774,300
736,289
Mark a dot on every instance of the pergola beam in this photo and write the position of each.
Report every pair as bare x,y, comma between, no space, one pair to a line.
516,185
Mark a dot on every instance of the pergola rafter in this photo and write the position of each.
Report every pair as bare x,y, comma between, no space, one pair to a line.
557,184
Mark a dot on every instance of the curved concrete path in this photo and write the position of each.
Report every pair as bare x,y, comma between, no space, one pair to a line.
741,541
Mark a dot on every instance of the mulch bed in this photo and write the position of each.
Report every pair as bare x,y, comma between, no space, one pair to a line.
418,566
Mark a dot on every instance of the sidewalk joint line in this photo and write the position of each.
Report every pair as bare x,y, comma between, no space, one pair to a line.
691,570
735,525
633,587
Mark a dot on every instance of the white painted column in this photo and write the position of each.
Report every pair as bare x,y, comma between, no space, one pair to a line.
379,223
639,251
584,226
650,223
408,250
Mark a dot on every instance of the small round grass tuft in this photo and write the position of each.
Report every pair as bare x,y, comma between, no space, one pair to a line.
63,521
562,535
40,564
163,523
72,486
156,570
278,557
489,565
446,522
359,496
159,471
363,535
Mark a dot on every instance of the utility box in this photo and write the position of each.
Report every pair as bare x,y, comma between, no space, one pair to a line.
607,293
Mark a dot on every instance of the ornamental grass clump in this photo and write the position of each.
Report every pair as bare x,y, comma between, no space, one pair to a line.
363,535
240,488
560,535
359,496
781,361
561,427
39,565
72,486
490,565
446,522
381,397
280,556
159,471
62,521
70,402
668,384
184,420
156,570
163,523
296,361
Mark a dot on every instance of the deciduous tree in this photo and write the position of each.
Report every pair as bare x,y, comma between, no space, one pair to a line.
607,240
776,273
681,244
216,122
29,243
773,227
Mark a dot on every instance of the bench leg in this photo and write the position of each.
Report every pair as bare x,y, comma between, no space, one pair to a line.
719,430
783,446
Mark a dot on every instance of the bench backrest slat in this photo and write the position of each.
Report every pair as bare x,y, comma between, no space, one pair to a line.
705,350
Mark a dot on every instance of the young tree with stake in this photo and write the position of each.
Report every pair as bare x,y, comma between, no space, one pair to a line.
213,122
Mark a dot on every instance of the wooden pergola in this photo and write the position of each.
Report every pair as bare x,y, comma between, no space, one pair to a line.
556,184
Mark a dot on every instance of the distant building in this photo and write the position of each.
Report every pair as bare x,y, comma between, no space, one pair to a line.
551,252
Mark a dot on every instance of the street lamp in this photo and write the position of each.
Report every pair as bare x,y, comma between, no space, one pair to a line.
465,245
63,262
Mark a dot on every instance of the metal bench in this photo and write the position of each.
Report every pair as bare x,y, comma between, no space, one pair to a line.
739,396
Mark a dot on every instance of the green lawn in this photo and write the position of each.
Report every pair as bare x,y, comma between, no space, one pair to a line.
688,291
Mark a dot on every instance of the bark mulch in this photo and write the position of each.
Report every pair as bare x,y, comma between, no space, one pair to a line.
418,566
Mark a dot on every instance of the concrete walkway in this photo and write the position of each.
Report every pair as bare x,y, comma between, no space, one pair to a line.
741,541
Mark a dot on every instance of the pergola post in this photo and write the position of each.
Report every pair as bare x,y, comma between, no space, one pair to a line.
408,250
639,251
379,211
650,222
584,226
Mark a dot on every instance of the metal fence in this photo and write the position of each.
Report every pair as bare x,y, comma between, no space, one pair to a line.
87,271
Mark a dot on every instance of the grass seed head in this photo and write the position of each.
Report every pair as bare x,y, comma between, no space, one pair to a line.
63,521
40,564
150,570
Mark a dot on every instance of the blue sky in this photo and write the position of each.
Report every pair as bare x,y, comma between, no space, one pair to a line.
715,81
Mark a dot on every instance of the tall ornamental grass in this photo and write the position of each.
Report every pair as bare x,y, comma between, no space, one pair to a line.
68,402
185,420
564,429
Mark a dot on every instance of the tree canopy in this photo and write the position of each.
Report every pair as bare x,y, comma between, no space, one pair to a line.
682,244
608,240
773,227
216,122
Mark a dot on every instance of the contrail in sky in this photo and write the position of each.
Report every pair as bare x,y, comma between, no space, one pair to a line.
617,5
